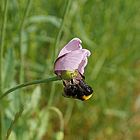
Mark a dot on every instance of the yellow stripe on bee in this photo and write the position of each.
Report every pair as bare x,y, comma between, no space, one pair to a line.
86,97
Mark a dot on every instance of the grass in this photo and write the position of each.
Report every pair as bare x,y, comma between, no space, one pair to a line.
110,30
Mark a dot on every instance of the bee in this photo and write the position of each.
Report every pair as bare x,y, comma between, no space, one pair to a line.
79,90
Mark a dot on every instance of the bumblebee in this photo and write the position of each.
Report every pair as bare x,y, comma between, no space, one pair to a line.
78,90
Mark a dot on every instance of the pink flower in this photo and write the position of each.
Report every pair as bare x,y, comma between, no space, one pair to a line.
70,65
72,57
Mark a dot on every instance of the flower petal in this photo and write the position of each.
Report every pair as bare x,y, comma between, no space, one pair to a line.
74,44
82,65
83,62
72,61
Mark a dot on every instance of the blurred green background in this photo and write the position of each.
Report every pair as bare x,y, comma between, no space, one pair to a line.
110,30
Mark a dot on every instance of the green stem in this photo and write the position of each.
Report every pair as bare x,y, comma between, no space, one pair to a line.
51,94
60,115
3,28
0,123
29,84
55,51
21,38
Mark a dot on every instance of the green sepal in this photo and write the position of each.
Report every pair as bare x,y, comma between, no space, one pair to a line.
67,75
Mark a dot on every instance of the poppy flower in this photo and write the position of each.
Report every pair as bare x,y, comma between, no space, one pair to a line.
70,65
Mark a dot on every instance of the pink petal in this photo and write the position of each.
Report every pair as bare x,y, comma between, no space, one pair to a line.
82,65
74,44
72,61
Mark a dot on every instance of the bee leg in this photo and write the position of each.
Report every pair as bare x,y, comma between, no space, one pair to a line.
64,83
85,87
82,76
71,81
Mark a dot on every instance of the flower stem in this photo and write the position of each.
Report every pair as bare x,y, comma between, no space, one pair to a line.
29,84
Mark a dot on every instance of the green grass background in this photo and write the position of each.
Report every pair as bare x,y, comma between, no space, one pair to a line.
110,30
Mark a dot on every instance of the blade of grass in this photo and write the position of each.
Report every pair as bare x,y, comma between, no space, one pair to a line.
60,115
55,48
3,28
98,65
60,134
26,12
13,123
